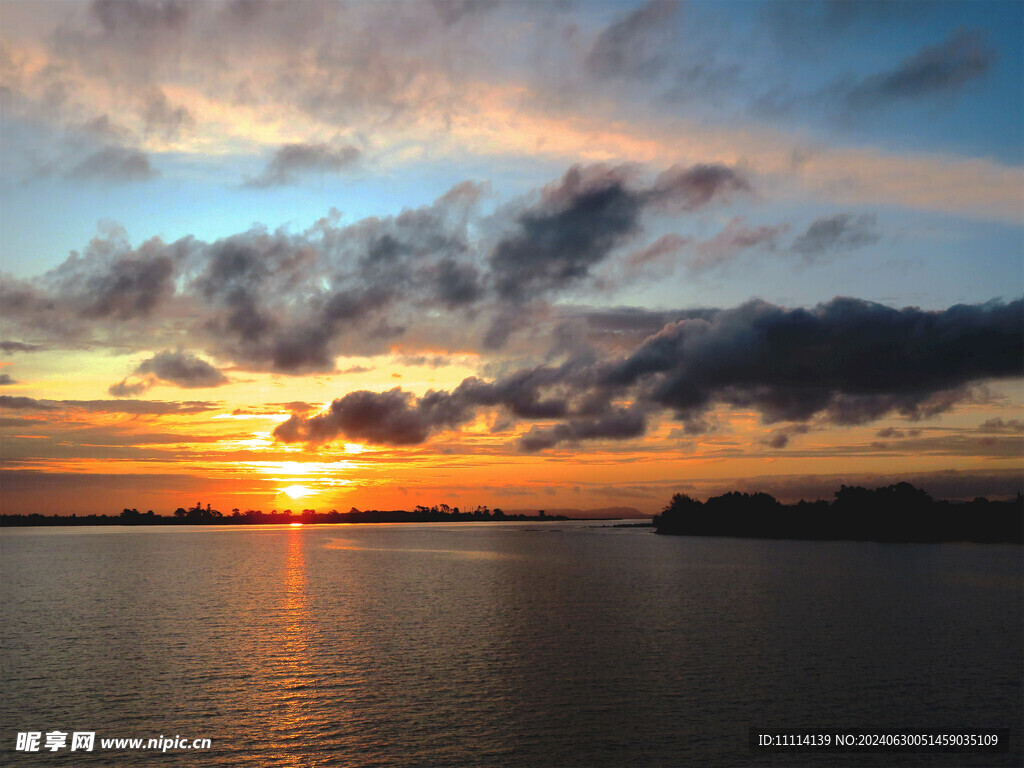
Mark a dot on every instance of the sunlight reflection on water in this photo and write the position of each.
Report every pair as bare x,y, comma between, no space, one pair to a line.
470,554
499,644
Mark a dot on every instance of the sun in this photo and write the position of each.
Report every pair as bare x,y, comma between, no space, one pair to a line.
297,491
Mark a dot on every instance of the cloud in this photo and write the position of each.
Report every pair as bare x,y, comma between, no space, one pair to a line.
412,74
937,69
162,118
892,432
779,438
292,160
106,294
294,302
396,418
731,242
140,407
577,225
183,369
453,11
457,284
25,404
616,424
842,232
443,276
10,347
358,285
665,247
137,407
5,379
631,46
131,16
124,388
116,165
388,418
1007,426
132,287
682,189
587,215
851,359
846,361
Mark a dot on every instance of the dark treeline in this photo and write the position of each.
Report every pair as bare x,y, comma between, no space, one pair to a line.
896,513
200,515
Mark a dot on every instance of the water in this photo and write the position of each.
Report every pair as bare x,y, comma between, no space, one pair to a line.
519,644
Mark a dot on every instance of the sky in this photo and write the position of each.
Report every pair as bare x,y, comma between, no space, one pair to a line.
573,255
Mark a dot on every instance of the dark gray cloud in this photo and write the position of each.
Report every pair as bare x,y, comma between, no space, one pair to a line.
396,418
859,408
131,287
662,249
842,232
107,293
5,379
851,359
10,347
576,226
130,16
292,160
26,404
388,418
116,165
453,11
1007,426
585,217
937,69
686,189
293,302
162,118
137,407
183,369
810,27
631,47
125,388
779,438
731,242
457,284
897,434
847,362
615,424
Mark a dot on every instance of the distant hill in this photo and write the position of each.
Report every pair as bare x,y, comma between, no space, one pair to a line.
601,513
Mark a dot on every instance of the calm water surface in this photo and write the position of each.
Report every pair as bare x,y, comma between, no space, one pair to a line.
520,644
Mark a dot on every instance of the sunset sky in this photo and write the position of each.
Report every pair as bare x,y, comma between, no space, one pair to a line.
279,255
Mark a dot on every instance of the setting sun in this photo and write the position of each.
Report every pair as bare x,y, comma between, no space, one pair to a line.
297,491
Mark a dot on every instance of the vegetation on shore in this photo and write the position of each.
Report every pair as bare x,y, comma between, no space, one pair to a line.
200,515
897,513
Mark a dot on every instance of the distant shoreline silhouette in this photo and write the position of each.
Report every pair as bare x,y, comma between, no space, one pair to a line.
200,515
894,513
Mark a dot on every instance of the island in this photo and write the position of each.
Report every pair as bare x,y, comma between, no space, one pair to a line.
894,513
